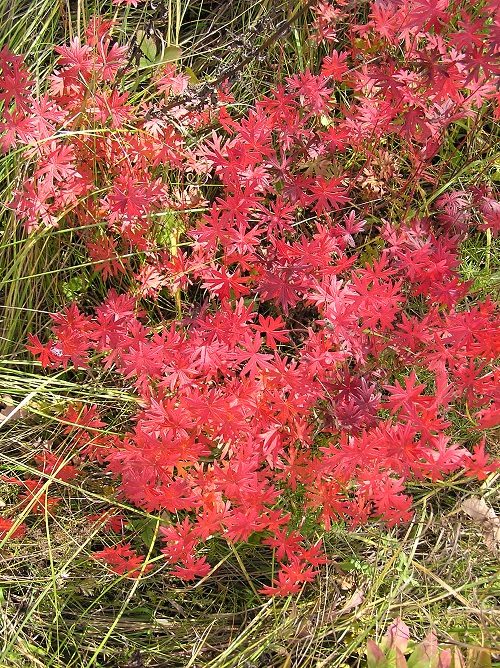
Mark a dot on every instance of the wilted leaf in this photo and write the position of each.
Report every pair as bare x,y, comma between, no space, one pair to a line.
356,599
11,411
457,659
481,512
478,509
477,657
451,658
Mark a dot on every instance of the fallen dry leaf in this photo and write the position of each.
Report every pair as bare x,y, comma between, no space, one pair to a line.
12,413
477,509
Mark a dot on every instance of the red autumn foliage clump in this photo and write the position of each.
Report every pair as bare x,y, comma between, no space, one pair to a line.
324,341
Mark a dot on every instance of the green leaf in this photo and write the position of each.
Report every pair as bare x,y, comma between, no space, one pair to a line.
148,534
152,56
171,53
193,79
426,653
477,657
74,287
146,529
147,46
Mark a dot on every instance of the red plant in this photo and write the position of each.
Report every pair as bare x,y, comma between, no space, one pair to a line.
123,560
7,529
335,341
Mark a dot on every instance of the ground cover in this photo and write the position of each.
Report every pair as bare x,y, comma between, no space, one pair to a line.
250,333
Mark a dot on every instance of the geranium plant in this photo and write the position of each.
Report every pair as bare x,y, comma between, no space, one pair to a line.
325,339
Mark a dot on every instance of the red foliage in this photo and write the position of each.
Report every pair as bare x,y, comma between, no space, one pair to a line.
331,347
123,560
7,529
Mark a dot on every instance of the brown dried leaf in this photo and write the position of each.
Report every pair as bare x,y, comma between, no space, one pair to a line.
478,509
481,512
492,539
355,600
11,411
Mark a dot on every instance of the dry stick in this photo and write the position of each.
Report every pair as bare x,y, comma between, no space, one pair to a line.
283,28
